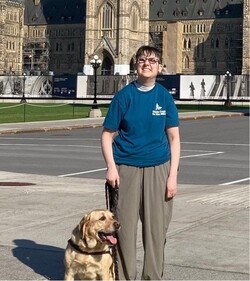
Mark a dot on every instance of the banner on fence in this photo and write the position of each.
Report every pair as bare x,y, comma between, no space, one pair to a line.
171,83
64,86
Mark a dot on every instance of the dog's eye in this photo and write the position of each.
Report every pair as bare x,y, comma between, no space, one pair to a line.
103,218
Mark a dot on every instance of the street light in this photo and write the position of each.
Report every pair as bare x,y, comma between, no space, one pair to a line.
95,111
227,79
95,62
31,61
23,99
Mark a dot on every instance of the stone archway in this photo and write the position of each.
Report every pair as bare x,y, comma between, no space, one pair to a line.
107,64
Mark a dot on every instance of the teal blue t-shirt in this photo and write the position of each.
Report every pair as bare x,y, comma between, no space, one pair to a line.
140,118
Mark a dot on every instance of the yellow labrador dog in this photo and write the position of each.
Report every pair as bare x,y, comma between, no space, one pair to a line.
88,253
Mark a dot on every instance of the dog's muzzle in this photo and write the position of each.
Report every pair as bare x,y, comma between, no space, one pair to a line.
110,238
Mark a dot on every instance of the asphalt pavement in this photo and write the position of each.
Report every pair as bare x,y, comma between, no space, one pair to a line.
27,127
208,238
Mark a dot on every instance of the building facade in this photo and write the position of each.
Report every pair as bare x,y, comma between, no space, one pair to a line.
54,36
246,39
199,37
11,36
62,36
114,31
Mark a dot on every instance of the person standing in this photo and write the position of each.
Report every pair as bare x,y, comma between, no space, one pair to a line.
141,147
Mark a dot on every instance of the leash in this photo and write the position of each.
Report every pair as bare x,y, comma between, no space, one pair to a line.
111,195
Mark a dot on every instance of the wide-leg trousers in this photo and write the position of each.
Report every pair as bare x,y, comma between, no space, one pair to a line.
142,196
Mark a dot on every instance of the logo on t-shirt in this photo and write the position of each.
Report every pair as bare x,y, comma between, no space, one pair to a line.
158,110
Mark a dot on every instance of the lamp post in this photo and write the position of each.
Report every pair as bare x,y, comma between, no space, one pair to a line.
95,111
31,62
227,79
95,62
23,99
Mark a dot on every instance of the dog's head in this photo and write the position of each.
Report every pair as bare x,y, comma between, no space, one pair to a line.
98,228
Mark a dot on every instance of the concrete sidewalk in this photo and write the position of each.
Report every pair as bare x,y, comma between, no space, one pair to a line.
27,127
208,237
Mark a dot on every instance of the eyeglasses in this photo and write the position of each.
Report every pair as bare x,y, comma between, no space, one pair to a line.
150,60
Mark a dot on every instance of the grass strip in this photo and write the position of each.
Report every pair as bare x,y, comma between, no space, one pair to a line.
30,112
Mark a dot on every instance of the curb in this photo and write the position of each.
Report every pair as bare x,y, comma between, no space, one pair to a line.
47,129
97,122
223,115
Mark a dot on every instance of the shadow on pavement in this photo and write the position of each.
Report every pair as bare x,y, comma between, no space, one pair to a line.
45,260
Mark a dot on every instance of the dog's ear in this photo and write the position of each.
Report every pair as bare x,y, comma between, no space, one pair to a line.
81,230
81,225
86,232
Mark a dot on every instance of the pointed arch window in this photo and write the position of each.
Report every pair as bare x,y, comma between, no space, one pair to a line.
134,18
106,20
184,44
217,43
186,62
198,48
212,43
214,62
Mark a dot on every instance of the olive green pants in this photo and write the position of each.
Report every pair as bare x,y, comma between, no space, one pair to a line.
142,195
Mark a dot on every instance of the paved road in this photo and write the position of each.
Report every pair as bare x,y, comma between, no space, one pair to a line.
214,151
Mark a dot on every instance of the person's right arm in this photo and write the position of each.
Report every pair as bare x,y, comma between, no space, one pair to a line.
112,176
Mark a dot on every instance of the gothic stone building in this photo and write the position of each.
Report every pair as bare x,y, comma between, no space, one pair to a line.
196,36
54,36
199,37
114,31
11,36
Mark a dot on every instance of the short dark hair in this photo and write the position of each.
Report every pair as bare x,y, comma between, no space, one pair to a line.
148,50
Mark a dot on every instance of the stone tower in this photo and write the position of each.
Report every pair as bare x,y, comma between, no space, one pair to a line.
11,36
246,39
115,29
3,7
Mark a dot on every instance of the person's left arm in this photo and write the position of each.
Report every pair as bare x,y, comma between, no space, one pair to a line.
175,147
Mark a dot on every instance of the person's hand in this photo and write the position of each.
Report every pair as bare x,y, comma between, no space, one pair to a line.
112,176
171,188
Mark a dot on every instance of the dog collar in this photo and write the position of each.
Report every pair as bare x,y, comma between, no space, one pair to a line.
78,249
